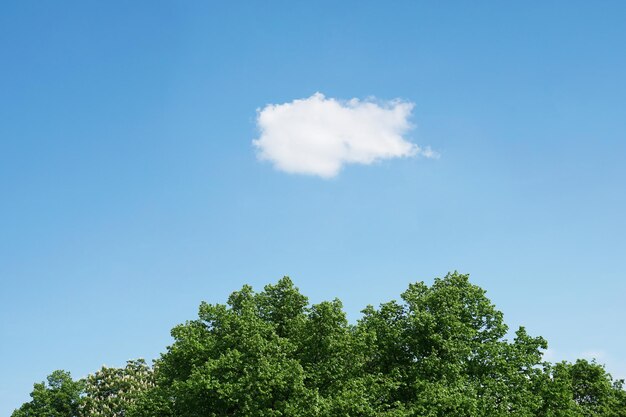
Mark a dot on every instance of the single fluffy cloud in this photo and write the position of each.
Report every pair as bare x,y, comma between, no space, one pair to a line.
318,135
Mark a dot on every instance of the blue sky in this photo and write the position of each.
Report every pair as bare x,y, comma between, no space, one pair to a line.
130,188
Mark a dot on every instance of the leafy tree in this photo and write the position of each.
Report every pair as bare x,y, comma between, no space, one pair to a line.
112,392
443,347
58,397
593,389
554,386
233,361
442,350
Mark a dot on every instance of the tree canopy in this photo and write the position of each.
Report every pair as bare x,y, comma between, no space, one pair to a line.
441,350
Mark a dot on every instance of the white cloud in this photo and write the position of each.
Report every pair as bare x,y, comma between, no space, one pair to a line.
318,135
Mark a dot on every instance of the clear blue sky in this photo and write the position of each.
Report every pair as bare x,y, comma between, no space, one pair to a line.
130,189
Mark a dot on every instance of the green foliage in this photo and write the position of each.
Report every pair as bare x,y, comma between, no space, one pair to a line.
58,397
235,359
440,351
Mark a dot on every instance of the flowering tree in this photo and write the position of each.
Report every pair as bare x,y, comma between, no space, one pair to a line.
111,392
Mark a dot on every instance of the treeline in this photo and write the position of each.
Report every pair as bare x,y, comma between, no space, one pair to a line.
441,351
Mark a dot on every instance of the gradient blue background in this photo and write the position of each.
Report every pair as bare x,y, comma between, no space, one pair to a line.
130,191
